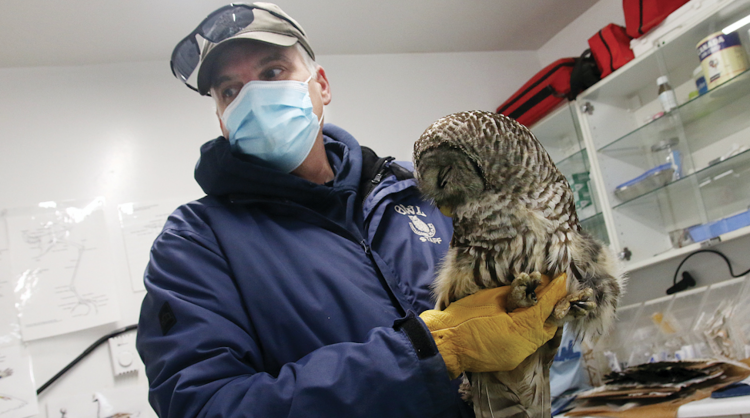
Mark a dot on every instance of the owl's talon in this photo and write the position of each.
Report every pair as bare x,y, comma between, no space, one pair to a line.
574,306
522,293
577,312
586,306
464,389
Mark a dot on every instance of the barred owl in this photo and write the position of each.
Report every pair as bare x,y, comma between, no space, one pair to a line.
514,218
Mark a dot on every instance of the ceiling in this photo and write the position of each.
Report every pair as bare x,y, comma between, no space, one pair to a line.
82,32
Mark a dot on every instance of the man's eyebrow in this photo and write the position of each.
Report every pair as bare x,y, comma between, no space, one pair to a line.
262,62
278,56
217,82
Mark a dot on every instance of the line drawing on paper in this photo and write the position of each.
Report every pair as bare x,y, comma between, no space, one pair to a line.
60,259
107,406
14,403
54,237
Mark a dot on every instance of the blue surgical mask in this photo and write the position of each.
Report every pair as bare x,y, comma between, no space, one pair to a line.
273,121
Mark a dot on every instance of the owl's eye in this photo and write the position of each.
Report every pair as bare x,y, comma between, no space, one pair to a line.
443,176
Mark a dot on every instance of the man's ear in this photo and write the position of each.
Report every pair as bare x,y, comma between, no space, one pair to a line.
325,86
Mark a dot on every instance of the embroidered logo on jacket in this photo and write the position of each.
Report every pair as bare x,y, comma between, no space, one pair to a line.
425,231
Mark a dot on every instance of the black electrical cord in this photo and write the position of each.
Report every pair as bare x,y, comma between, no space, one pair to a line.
85,353
731,271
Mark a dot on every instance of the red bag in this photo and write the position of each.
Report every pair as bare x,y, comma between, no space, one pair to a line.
642,15
541,94
611,48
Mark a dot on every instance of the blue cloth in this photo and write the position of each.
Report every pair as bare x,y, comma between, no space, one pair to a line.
273,296
568,371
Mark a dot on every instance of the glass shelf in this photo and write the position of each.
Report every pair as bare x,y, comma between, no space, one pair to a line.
595,226
719,123
699,107
558,133
726,185
739,163
681,185
657,128
714,100
589,218
703,129
576,161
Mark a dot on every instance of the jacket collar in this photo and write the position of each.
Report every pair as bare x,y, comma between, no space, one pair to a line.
219,172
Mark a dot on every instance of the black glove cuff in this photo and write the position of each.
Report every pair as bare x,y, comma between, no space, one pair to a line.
418,335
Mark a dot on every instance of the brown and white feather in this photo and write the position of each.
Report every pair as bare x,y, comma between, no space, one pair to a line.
513,212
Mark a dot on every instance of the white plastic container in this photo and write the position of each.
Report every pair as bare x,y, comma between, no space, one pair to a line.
722,57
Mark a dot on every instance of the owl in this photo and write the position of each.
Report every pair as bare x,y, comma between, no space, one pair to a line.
514,220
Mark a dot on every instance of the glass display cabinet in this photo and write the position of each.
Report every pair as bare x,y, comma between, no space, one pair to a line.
560,135
667,181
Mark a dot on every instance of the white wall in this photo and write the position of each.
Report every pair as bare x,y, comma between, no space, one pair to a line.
387,101
125,131
128,132
573,39
131,133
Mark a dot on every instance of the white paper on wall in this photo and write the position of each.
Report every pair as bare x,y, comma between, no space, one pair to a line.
60,262
9,327
17,391
126,402
141,223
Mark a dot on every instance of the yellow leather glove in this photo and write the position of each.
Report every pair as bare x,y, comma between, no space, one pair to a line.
476,334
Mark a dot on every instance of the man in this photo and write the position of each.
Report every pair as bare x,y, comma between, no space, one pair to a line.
292,288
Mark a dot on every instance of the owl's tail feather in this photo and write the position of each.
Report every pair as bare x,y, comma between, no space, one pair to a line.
522,392
489,404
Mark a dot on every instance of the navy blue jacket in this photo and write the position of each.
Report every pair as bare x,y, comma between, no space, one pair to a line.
274,296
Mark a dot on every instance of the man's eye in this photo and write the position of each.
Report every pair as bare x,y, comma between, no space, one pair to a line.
229,92
270,74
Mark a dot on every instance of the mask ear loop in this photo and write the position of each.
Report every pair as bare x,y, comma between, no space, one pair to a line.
323,113
322,116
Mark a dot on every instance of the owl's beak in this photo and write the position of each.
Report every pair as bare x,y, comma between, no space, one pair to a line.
446,210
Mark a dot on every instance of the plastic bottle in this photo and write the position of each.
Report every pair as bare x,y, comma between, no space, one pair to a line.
666,94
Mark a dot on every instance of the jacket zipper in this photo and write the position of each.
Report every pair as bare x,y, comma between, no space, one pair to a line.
381,171
391,295
365,247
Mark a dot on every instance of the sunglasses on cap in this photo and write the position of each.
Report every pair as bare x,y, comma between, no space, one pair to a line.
221,24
